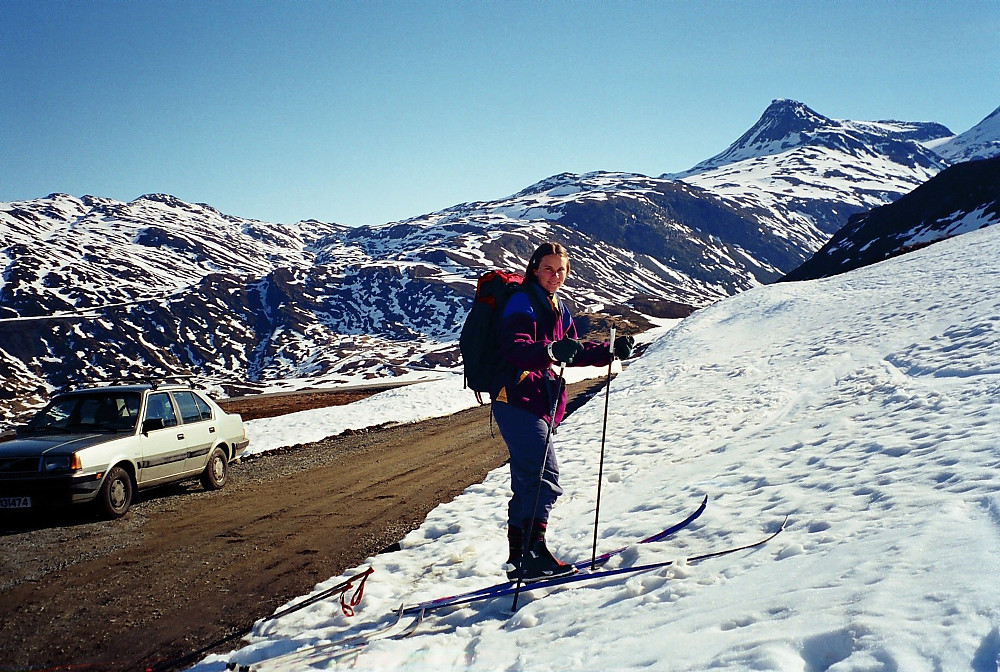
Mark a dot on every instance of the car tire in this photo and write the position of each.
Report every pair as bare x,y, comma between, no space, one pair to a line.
116,494
216,471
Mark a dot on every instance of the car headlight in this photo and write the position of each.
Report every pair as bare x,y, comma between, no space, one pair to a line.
52,463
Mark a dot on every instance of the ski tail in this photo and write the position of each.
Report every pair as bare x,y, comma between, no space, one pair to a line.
659,536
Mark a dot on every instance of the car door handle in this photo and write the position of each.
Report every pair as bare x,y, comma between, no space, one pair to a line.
180,437
211,430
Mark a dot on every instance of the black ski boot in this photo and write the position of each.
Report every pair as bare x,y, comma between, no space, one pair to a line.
515,543
539,563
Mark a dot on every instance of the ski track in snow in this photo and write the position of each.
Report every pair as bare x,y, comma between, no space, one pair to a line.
862,406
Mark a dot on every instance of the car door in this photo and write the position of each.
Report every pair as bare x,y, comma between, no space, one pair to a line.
198,427
162,442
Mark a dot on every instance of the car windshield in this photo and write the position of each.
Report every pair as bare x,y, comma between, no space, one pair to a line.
88,412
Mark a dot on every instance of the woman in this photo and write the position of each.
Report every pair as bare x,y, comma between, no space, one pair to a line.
529,400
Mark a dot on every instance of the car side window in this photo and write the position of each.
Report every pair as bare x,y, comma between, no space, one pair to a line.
159,408
119,411
203,407
188,405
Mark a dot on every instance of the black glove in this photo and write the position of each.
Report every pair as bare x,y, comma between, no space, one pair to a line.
623,347
565,350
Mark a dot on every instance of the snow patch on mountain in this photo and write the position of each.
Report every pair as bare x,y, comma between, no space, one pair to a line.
960,199
982,141
69,253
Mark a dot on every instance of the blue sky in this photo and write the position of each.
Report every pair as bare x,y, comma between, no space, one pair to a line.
368,112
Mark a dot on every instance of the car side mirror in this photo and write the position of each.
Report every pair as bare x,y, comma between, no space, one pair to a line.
152,424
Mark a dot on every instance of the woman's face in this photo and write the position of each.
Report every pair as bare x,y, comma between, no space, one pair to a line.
552,272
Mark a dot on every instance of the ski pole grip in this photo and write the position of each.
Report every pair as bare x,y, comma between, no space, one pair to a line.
611,343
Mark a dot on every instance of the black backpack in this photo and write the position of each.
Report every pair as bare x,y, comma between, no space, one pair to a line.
478,342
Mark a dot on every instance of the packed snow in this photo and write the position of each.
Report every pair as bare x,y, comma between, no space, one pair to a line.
864,407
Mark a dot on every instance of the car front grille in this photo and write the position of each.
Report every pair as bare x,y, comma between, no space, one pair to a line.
18,465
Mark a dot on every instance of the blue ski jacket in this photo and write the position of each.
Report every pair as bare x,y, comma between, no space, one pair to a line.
527,326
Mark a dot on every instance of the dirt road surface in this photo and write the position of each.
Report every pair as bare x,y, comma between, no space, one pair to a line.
188,567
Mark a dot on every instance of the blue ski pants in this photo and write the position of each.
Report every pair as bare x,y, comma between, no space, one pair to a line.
525,435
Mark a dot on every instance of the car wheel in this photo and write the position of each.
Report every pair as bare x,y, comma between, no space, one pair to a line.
116,494
216,471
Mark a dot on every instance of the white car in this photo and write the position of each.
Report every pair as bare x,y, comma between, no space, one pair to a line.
104,444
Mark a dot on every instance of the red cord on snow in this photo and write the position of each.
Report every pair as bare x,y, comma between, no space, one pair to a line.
348,606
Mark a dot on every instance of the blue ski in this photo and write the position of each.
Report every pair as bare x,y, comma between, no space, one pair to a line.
492,591
509,588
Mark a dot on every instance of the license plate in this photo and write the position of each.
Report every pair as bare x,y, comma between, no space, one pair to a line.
15,502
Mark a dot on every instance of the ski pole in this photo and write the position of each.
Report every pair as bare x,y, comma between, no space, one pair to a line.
604,433
538,490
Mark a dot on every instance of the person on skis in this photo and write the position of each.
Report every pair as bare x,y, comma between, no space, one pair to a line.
537,334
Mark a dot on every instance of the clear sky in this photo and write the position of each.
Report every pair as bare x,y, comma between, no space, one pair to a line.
368,112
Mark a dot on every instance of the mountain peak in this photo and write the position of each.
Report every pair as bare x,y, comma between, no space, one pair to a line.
781,119
166,199
790,126
784,125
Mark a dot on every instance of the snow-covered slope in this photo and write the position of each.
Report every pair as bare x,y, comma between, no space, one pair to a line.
66,253
982,141
864,407
630,235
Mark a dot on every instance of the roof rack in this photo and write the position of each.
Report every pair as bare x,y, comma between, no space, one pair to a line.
154,380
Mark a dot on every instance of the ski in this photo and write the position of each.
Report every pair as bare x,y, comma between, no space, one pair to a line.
340,590
602,559
508,589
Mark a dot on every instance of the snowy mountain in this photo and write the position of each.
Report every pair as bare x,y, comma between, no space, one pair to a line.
863,407
158,284
810,173
96,288
64,253
963,198
790,125
982,141
155,284
162,284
